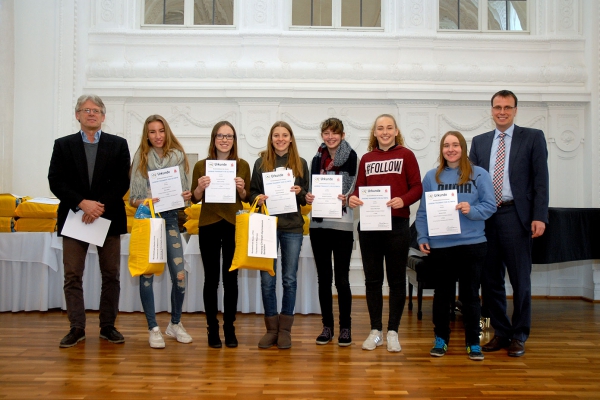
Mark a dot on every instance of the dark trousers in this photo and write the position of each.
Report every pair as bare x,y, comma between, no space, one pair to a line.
324,243
74,254
391,246
462,263
214,239
509,250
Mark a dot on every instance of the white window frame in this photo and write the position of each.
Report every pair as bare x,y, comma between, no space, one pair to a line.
188,18
336,20
483,21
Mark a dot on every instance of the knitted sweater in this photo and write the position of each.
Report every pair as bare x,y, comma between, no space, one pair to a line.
478,192
211,213
397,168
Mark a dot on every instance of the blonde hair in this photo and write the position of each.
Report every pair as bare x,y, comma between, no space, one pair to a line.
269,156
465,168
373,144
171,143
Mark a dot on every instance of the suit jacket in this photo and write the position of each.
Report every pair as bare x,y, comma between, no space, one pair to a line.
69,179
527,171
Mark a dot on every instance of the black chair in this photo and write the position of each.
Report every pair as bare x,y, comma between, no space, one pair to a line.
419,274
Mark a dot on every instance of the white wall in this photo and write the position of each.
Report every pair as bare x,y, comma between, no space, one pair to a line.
262,71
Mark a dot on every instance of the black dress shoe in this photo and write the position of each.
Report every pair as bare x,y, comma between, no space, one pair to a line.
516,348
496,344
230,339
74,336
111,334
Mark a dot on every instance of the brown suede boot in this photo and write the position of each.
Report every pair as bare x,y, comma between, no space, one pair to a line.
270,338
284,338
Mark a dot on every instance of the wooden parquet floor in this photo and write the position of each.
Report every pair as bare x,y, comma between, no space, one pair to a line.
562,361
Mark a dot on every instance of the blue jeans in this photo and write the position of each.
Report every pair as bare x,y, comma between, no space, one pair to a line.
175,264
290,244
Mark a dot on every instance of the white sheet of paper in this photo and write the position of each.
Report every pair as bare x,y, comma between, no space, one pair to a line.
45,200
374,214
94,233
278,187
326,189
442,215
222,181
166,185
262,236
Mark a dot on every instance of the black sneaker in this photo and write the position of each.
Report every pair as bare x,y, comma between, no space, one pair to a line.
345,338
326,336
111,334
74,336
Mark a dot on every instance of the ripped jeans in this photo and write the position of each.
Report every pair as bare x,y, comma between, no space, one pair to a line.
175,263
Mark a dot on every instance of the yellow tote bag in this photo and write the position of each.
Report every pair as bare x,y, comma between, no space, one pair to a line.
241,259
145,242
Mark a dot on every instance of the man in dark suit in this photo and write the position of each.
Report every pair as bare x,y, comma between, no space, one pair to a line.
517,160
89,171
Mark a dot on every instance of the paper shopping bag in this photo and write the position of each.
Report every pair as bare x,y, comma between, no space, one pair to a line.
241,257
147,245
262,236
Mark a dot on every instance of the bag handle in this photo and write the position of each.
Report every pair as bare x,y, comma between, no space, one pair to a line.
150,206
264,208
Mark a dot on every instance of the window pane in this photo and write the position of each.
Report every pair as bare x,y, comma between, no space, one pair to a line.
469,14
213,12
361,13
169,12
321,12
448,14
507,15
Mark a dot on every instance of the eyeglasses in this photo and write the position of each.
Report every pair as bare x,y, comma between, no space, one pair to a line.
505,108
90,111
221,136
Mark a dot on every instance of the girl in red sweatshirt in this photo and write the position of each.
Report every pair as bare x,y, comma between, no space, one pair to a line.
388,163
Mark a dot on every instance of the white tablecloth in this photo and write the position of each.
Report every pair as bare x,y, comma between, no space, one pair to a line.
31,278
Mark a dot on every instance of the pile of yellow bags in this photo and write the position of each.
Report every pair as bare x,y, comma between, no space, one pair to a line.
36,215
8,206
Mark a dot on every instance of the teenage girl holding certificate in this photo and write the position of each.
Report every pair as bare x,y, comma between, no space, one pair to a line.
334,236
281,153
216,233
458,256
159,148
388,163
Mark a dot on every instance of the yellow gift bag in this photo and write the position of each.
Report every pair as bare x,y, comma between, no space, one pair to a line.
148,245
241,259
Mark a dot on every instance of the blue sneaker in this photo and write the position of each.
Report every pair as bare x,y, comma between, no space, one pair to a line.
439,347
474,352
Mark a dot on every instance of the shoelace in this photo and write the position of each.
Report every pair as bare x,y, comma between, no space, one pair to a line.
326,332
345,334
476,349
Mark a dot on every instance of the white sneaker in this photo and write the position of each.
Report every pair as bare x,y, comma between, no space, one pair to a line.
156,340
393,345
178,332
374,340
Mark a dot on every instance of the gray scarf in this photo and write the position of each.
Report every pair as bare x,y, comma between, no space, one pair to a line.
140,186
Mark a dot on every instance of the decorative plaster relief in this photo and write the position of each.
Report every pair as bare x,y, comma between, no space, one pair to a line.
484,124
569,136
108,10
258,124
566,14
416,12
321,71
260,11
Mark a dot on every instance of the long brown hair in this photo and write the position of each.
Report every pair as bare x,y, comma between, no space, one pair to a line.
171,143
212,149
465,168
373,139
269,156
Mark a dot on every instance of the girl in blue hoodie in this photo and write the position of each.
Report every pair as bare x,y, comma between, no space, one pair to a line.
457,256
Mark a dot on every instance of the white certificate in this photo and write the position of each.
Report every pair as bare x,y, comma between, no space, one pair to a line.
442,215
166,185
326,189
278,187
222,181
94,233
375,215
